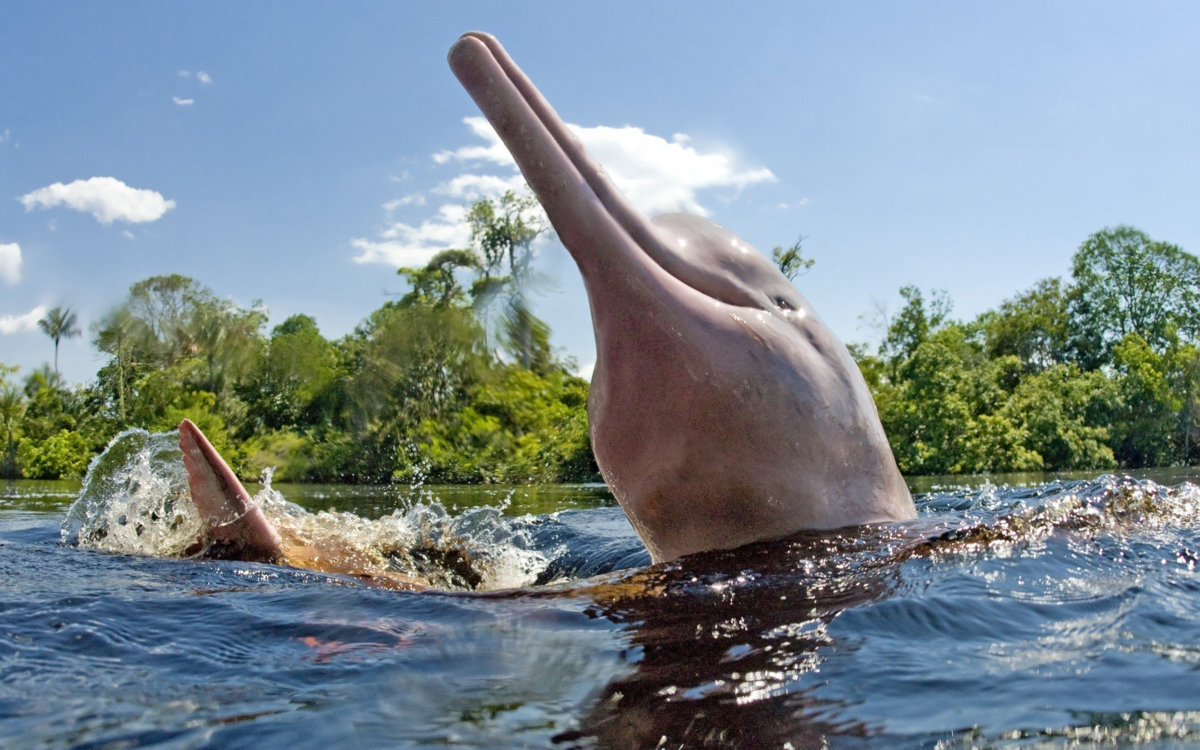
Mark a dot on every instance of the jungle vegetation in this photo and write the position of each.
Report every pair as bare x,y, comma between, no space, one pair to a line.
455,381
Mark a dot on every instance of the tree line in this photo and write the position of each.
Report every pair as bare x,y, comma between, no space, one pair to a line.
456,381
1098,370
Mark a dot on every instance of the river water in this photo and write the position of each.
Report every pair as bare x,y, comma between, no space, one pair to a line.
1022,612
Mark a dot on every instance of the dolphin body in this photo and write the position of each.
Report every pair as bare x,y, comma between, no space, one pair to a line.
722,410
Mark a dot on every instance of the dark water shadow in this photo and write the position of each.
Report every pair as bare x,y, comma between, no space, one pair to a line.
723,645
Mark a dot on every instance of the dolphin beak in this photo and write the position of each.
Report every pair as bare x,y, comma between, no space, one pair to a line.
234,525
586,209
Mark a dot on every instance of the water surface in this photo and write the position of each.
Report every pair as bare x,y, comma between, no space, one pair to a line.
1055,613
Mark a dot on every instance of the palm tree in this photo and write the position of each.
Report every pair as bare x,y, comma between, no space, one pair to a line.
58,324
12,406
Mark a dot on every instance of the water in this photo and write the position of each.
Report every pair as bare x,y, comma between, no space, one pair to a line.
1059,614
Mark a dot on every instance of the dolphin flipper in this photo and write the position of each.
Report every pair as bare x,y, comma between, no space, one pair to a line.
234,526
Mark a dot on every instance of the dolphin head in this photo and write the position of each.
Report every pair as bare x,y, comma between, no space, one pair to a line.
722,410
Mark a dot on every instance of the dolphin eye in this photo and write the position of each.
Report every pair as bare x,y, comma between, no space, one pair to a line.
783,304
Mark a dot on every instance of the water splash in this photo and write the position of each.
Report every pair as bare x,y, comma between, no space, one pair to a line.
135,500
1001,519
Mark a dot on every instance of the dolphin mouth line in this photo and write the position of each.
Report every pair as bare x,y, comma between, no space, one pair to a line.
480,62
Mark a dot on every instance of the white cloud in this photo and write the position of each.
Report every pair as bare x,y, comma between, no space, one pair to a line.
184,73
494,151
10,262
413,199
128,235
472,187
204,78
52,225
183,102
106,198
22,323
406,245
4,136
658,175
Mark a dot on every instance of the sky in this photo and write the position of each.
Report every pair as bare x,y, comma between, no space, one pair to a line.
297,153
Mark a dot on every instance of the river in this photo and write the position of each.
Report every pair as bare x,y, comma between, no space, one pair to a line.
1016,611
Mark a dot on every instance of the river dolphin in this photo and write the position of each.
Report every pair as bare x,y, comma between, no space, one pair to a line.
722,410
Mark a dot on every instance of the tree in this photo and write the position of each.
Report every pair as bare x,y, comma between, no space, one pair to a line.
1126,283
163,306
226,337
791,261
503,232
1034,326
1189,415
296,369
12,408
59,323
116,335
436,283
914,323
1144,430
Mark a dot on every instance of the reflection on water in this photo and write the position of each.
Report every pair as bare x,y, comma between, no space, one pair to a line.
1053,613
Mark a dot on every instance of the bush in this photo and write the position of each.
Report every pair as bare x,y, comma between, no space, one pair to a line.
64,455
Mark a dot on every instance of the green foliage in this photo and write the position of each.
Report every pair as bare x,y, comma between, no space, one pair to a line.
1126,283
296,369
436,284
63,455
12,412
913,324
791,260
521,427
503,232
1101,372
1097,371
1144,430
1034,326
1063,413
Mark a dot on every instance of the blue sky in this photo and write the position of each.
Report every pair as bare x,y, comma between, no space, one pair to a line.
955,146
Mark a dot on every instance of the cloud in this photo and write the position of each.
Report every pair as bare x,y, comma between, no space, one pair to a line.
10,262
22,323
657,174
204,78
183,102
106,198
5,135
412,199
493,152
128,235
472,187
184,73
406,245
